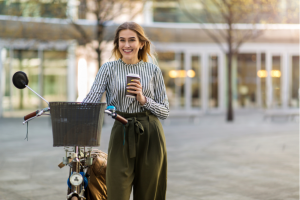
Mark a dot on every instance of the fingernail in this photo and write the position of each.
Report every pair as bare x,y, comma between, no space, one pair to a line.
128,83
132,80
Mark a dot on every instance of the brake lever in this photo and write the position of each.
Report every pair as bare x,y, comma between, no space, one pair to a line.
108,112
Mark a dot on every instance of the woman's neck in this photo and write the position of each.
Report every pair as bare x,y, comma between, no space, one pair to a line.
130,61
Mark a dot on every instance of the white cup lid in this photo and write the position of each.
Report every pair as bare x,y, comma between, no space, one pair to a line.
134,75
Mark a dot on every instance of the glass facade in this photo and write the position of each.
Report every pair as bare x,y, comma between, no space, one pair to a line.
167,64
49,78
246,80
32,8
263,80
169,14
195,75
294,83
171,11
28,62
55,76
213,82
181,81
276,81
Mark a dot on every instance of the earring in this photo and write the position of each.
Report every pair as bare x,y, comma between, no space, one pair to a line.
141,48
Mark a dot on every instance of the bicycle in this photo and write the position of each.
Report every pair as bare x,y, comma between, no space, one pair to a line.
77,127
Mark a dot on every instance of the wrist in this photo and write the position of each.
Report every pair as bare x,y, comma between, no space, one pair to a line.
143,101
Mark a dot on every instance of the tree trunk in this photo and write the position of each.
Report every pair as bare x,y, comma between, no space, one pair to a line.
229,66
229,86
98,50
99,38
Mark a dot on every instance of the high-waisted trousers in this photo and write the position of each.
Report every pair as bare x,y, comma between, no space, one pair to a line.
137,158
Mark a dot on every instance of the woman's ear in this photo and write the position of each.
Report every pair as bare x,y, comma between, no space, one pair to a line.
142,45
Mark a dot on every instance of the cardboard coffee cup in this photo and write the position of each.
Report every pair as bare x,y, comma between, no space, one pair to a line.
129,78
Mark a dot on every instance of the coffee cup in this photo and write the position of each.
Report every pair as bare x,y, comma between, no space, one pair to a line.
131,77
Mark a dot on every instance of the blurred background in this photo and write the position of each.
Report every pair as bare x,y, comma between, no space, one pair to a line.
201,46
231,70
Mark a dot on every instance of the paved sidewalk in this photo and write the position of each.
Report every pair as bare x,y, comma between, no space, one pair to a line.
249,159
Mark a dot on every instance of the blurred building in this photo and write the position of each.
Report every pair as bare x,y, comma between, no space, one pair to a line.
265,72
46,46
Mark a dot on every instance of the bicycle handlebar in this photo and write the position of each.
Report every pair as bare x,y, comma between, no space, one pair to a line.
121,119
116,117
38,113
30,115
35,114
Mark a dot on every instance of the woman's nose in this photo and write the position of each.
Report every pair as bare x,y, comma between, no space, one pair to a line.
127,44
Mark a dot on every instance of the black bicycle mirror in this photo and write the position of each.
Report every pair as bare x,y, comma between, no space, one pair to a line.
20,80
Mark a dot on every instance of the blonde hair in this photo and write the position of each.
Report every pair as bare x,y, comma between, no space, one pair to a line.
144,52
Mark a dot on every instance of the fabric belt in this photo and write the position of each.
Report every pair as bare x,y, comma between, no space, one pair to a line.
134,128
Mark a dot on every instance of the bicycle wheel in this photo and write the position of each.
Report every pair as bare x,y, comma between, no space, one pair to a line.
74,198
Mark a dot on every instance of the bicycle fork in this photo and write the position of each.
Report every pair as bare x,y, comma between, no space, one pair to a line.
76,178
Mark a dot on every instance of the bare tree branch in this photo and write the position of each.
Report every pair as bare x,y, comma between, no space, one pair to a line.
249,35
139,11
221,9
210,18
79,28
207,31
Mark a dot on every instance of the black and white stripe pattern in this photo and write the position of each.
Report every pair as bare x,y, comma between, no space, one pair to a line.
111,78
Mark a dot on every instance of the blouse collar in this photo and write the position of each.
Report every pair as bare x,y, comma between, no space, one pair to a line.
131,65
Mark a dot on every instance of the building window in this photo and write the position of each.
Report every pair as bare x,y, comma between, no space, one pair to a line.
213,82
172,11
181,81
167,64
294,82
54,78
195,74
262,74
246,80
46,9
55,75
276,80
28,62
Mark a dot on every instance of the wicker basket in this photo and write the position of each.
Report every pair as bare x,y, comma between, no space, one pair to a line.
76,124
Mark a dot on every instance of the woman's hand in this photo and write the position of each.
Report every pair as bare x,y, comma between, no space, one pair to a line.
137,86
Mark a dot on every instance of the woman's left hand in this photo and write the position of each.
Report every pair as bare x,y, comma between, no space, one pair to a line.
137,86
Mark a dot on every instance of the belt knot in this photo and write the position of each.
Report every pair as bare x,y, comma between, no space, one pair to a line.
134,128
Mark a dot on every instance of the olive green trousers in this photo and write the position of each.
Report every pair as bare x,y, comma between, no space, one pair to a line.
137,158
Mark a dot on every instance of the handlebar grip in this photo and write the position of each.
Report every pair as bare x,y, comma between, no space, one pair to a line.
121,119
31,115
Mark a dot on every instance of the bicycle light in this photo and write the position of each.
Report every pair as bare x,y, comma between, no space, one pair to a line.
76,179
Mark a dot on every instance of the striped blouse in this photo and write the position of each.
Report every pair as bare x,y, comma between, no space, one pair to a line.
111,78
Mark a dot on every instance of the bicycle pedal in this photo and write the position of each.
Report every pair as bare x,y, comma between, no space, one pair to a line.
61,165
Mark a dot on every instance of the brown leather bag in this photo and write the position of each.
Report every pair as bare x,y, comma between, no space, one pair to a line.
96,189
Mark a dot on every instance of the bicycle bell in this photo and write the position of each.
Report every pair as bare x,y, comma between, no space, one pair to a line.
111,109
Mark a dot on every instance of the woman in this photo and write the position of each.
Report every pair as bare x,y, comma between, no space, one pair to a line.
137,154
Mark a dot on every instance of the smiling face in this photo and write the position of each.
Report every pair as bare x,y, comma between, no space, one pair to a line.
129,46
